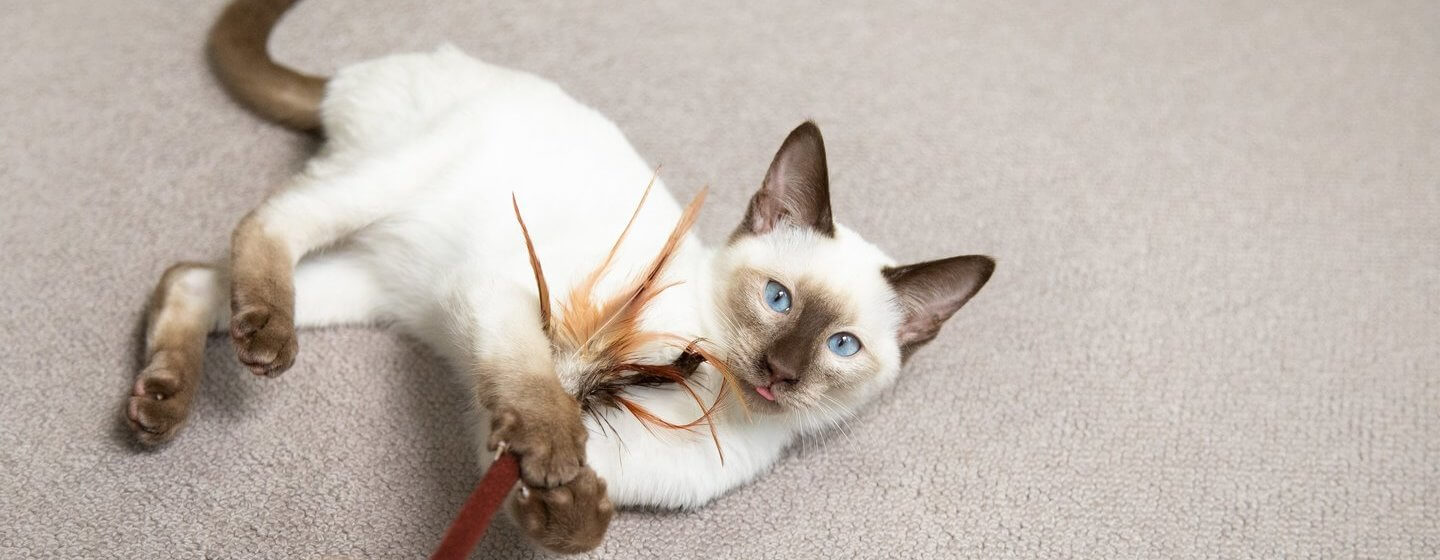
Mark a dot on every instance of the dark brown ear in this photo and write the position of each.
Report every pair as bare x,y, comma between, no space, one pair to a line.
796,189
932,291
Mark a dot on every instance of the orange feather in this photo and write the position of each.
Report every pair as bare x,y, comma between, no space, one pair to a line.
607,333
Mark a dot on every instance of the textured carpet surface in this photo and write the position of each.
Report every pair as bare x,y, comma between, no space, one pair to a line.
1214,330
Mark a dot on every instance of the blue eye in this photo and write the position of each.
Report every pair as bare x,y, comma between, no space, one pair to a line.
777,297
843,344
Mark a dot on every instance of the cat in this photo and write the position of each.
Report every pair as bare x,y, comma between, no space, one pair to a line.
404,217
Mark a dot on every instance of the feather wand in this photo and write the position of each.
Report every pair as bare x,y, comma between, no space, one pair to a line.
605,334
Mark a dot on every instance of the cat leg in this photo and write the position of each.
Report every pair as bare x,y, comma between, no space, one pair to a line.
262,295
337,288
507,357
182,312
565,507
322,207
189,303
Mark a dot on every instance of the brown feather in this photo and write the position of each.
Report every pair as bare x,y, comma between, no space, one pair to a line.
583,290
540,285
607,334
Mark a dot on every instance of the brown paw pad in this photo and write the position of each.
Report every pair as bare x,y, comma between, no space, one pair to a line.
264,340
550,445
158,404
569,519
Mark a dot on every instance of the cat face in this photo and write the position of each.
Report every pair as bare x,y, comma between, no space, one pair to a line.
815,319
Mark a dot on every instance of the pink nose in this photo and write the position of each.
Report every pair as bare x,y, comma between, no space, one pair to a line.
780,373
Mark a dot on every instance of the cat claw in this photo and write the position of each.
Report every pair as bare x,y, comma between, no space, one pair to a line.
549,447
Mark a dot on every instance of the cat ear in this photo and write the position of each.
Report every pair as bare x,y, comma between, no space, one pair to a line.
796,188
930,292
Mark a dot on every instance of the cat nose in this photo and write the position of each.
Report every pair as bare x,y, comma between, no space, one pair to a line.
780,373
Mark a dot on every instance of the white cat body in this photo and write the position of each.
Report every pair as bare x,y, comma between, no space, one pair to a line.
408,217
438,143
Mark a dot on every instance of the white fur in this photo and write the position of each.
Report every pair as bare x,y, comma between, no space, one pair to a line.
411,199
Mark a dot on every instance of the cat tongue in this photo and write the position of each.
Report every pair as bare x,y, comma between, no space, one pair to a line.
765,392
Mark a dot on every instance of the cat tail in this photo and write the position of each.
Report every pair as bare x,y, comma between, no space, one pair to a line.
238,55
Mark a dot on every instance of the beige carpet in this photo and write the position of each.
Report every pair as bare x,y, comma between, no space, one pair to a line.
1214,331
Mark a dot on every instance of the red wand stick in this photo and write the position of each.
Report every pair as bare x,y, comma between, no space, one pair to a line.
469,526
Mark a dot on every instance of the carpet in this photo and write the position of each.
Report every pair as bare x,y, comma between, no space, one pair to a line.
1213,331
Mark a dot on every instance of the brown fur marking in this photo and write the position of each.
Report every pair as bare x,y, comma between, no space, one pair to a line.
931,292
240,58
262,300
159,402
812,319
540,423
569,519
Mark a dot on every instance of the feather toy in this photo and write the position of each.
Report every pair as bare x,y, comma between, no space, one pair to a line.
606,335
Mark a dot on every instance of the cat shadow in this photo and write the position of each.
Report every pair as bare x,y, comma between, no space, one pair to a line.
305,147
441,419
120,433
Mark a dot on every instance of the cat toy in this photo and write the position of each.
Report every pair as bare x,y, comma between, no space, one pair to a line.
606,334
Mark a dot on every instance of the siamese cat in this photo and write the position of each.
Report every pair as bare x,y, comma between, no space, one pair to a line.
405,218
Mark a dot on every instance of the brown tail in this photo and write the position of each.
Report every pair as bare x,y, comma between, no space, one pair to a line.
238,54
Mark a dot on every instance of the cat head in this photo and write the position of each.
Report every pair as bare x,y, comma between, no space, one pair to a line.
815,319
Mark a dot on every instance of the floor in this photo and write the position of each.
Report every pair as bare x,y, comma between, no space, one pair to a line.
1214,330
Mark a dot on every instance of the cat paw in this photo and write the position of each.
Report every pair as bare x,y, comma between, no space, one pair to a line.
569,519
159,402
264,339
547,437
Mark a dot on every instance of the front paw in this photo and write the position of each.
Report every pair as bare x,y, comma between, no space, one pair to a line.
571,518
264,339
547,436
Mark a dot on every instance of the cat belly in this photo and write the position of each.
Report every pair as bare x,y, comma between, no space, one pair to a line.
466,136
469,136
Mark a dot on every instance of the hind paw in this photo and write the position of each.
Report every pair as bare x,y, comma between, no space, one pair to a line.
160,400
264,339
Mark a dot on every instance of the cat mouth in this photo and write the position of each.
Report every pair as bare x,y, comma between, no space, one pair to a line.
767,397
760,391
764,389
